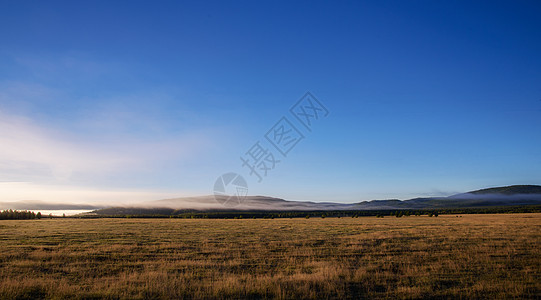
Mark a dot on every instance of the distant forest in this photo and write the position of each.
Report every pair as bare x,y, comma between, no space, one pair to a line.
231,214
10,214
181,214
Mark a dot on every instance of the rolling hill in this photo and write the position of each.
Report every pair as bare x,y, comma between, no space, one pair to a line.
491,197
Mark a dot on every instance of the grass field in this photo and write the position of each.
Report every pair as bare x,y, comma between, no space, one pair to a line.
473,256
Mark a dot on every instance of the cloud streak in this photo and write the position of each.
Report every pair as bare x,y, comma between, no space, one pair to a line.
58,138
28,146
32,150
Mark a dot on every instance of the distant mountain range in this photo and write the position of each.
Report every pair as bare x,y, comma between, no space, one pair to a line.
498,196
491,197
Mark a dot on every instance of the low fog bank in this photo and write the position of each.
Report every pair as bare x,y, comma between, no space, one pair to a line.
249,203
503,196
262,203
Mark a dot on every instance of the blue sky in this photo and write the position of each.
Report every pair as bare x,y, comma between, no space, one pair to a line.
120,101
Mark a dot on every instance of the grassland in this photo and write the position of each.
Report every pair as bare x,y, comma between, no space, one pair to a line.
473,256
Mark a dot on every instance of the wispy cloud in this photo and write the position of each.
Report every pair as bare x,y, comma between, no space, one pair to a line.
38,162
64,69
58,138
29,147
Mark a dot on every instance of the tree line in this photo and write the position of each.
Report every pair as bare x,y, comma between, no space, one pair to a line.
191,214
10,214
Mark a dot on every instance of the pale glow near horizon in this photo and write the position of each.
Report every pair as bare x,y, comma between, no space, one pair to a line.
25,191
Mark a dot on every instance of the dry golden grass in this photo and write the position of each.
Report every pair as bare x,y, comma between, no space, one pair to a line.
474,256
